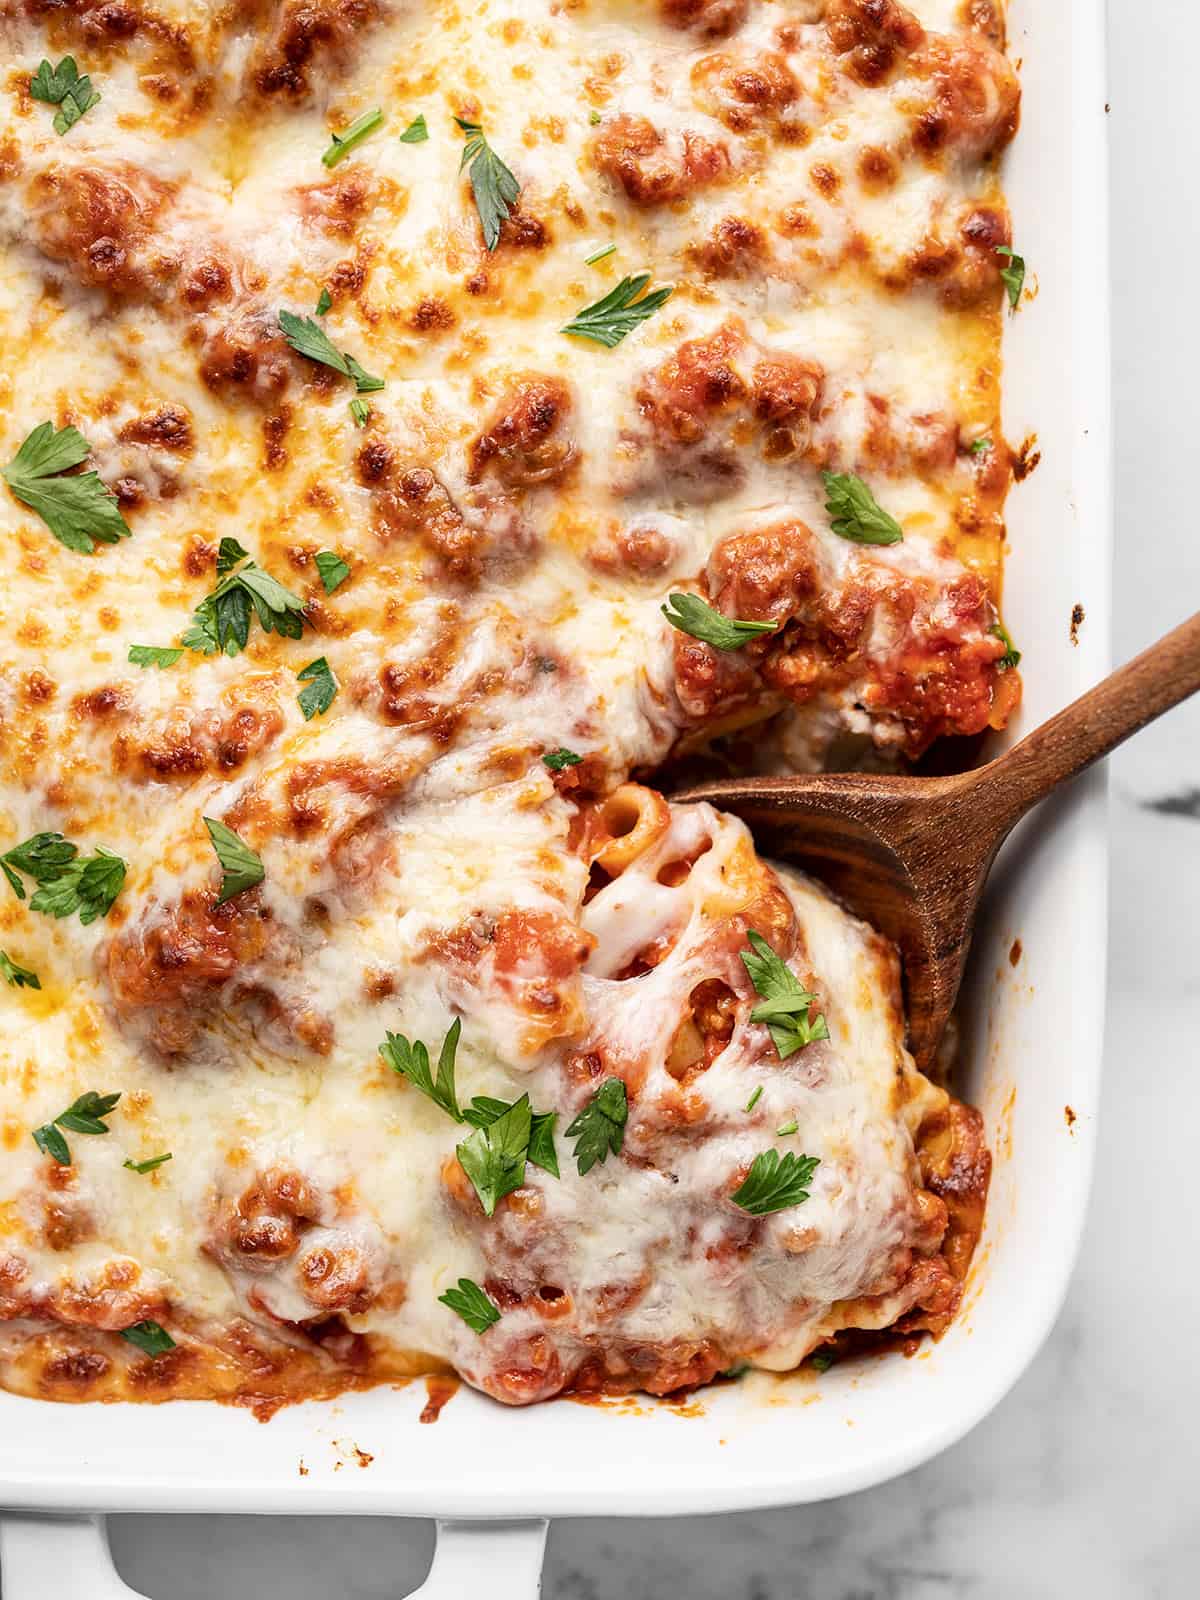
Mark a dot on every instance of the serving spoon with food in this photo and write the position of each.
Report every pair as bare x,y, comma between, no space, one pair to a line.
911,855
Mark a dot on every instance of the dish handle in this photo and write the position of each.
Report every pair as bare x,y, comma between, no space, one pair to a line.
69,1556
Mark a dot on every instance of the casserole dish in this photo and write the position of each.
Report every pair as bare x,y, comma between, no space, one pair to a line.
1031,1049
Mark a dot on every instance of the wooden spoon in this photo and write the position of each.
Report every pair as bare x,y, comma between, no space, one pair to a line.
911,855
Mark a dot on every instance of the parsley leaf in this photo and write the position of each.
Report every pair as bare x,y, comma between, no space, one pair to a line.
773,1184
607,321
493,185
472,1305
78,510
320,686
67,882
362,128
1011,655
786,1129
307,339
556,760
600,1126
755,1097
149,1338
601,254
51,1143
85,1115
1013,275
241,869
416,132
332,568
821,1360
979,446
484,1111
63,87
785,1002
494,1157
410,1059
221,622
154,655
324,301
18,977
361,412
855,513
147,1166
695,616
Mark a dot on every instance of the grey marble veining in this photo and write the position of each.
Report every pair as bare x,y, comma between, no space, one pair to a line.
1086,1480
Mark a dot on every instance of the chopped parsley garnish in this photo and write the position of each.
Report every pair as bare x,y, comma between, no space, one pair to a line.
241,869
493,185
332,568
324,301
755,1097
66,881
361,412
600,1127
695,616
62,86
18,977
595,118
601,254
556,760
85,1115
308,339
342,143
821,1360
147,1166
484,1111
154,655
410,1059
608,320
773,1184
487,1158
494,1157
785,1002
320,686
1011,655
416,132
1013,275
149,1338
221,622
78,510
855,513
787,1128
472,1305
979,446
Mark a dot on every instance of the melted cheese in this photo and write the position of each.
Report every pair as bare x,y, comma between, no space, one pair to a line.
412,829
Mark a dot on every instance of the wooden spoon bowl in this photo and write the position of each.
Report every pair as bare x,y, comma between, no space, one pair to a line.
912,855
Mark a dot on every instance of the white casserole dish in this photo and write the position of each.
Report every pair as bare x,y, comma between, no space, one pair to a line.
1032,1047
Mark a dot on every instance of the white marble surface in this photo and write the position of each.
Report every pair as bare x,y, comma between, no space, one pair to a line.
1086,1480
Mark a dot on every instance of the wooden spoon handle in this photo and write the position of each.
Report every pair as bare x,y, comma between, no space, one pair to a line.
1096,723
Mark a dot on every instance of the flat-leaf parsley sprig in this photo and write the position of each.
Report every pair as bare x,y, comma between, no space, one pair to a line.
308,338
78,509
609,320
221,622
786,1004
599,1129
495,189
775,1184
241,868
696,617
854,512
66,881
85,1115
471,1303
65,87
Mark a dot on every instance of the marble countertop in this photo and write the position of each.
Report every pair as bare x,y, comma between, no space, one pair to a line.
1086,1479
